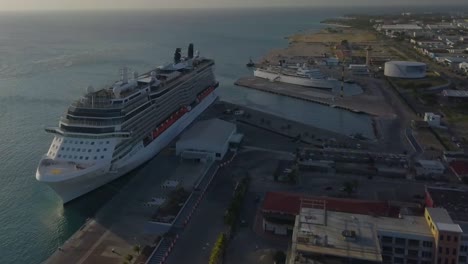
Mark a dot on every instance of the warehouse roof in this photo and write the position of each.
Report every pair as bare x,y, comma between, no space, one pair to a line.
455,93
407,63
212,132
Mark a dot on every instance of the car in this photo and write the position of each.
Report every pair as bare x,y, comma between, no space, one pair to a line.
239,112
328,188
243,223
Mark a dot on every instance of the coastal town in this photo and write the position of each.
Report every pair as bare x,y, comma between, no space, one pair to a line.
244,185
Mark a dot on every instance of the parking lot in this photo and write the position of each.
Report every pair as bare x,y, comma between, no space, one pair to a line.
355,156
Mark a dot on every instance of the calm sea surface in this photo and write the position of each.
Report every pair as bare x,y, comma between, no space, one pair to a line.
47,60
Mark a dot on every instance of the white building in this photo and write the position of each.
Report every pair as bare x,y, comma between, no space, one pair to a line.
400,27
359,69
429,167
455,61
432,119
405,69
463,66
207,140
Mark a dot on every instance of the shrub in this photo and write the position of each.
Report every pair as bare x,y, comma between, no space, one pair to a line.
218,249
279,257
129,257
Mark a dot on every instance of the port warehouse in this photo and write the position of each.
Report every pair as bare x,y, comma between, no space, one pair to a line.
405,69
208,140
342,229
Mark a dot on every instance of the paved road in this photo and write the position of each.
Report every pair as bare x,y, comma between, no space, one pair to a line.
196,241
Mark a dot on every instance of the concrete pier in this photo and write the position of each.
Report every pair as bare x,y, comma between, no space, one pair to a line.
122,223
364,103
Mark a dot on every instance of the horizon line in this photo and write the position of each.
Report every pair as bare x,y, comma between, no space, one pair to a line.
240,7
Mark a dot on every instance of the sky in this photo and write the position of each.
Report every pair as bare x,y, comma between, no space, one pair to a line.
6,5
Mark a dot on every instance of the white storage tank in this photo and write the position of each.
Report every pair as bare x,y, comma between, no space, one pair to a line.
405,69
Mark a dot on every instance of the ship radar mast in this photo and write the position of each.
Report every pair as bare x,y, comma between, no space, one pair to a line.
177,56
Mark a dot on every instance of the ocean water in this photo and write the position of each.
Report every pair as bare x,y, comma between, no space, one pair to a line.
47,60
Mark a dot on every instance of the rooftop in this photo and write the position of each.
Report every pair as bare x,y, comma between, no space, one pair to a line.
214,132
443,221
407,63
453,200
460,167
289,203
352,236
434,164
455,93
440,215
402,26
343,236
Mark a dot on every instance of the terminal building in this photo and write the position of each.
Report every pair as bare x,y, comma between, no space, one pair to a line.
405,69
208,140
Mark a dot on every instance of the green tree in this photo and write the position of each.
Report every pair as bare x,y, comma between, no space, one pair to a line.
279,257
137,249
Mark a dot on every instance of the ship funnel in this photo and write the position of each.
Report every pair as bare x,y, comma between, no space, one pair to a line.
177,56
190,51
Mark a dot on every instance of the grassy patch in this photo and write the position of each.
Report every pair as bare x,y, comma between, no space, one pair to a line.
445,139
455,115
429,81
429,99
325,36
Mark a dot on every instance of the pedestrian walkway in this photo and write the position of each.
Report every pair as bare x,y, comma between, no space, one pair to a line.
161,252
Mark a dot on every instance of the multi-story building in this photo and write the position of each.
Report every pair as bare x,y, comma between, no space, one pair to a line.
447,235
333,237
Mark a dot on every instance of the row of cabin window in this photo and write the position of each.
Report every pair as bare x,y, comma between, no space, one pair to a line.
83,142
76,157
82,150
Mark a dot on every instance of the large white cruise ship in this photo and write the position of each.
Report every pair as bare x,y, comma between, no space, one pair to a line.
109,132
300,76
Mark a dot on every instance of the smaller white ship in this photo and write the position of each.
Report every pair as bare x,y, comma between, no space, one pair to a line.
303,76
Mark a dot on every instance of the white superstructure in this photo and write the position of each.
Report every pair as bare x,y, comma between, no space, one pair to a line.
302,76
108,133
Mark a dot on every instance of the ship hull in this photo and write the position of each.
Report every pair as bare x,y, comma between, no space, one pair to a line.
75,187
313,83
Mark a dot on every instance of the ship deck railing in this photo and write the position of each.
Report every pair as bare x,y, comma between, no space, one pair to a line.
90,123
